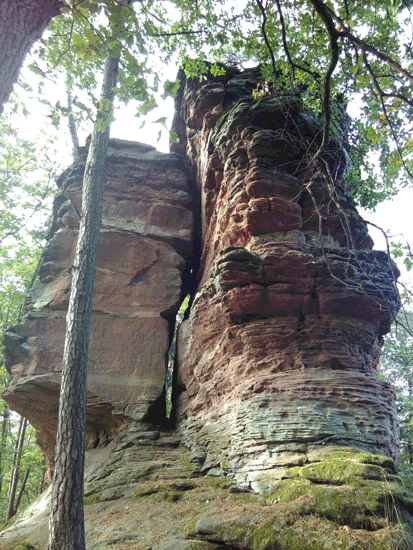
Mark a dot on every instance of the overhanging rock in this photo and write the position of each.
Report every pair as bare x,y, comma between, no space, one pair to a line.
144,250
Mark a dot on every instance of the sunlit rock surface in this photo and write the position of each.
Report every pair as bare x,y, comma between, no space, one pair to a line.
145,241
279,354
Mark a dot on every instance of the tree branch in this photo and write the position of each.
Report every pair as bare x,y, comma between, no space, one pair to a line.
264,35
323,12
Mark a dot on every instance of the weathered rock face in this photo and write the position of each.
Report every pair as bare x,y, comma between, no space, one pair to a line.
276,386
145,241
140,494
279,353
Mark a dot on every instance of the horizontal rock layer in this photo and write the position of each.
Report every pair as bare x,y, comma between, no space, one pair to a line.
279,353
145,241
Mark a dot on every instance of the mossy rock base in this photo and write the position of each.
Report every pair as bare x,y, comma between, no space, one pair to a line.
342,499
339,499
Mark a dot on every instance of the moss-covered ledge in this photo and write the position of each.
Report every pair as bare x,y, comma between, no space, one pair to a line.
146,495
341,499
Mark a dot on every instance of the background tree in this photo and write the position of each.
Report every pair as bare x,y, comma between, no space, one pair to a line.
31,466
26,185
397,368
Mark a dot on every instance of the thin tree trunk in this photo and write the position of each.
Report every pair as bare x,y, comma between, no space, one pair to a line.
16,469
4,424
66,517
22,22
13,466
21,491
72,127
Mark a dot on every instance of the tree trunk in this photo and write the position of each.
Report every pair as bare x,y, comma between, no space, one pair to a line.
16,469
66,518
22,22
72,127
3,441
21,491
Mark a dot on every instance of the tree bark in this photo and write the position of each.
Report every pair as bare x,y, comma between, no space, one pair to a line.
67,518
22,22
72,128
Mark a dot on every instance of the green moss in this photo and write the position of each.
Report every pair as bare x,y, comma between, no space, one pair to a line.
225,464
190,528
202,545
18,545
172,488
356,455
91,499
364,506
341,470
186,464
215,482
291,532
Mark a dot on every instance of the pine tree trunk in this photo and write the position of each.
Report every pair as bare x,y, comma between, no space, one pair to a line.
22,22
66,518
72,128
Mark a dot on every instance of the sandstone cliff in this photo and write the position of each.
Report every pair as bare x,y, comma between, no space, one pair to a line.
145,240
279,354
284,437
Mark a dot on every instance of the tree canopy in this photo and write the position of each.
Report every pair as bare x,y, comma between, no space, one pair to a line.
335,52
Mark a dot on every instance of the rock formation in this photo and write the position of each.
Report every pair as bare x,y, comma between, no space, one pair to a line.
279,354
284,438
146,237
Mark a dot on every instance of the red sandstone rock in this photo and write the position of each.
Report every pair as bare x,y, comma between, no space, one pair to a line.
146,234
280,350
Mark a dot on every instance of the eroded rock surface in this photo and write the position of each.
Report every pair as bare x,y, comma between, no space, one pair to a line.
141,494
279,354
145,241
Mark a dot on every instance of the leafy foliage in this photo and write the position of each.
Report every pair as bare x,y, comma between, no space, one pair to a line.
26,186
295,41
397,367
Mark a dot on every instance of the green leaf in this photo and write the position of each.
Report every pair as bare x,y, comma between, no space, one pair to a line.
78,40
161,120
147,106
173,137
36,70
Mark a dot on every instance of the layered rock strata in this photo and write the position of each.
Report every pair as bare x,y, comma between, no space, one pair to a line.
279,354
140,494
145,243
